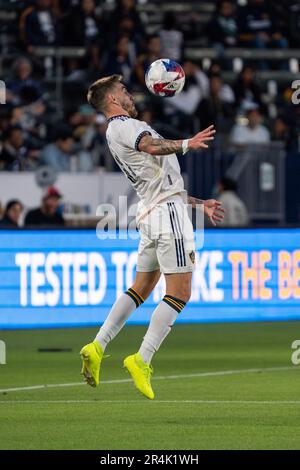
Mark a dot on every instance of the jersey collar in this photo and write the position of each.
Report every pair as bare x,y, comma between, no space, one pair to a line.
122,117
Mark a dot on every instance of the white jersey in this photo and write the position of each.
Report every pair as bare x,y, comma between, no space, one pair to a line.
154,178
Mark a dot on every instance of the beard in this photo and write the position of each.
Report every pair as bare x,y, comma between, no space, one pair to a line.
133,112
131,109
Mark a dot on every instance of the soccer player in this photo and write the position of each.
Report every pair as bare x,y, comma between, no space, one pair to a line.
167,238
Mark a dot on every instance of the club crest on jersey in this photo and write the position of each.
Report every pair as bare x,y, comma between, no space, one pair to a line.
192,256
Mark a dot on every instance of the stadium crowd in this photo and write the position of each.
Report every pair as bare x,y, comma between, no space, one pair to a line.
116,42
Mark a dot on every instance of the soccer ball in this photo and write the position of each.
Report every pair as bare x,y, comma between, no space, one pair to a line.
165,77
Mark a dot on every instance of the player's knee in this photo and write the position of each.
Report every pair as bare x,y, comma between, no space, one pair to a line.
182,293
143,290
185,295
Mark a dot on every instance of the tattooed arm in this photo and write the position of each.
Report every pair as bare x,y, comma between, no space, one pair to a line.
194,202
154,146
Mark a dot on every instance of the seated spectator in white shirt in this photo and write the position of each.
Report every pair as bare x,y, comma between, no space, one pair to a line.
253,132
236,214
57,154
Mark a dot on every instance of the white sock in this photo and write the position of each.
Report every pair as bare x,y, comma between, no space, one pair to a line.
160,326
121,310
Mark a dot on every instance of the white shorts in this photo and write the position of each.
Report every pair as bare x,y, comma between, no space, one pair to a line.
167,239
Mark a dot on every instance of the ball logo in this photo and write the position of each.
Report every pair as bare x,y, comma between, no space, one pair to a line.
296,94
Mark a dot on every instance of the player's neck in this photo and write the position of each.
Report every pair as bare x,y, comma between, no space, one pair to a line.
116,111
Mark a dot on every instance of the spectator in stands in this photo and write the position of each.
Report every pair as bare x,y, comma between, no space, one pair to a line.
31,119
236,214
171,38
82,27
23,79
126,18
219,107
153,117
12,214
38,25
48,214
99,147
15,114
294,22
5,117
283,131
182,108
127,28
144,60
258,28
246,89
254,132
83,136
57,154
13,156
73,118
223,30
121,60
85,131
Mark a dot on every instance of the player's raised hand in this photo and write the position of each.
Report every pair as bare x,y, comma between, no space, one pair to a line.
214,211
199,141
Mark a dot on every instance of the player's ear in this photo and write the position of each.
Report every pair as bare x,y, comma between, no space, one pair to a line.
112,98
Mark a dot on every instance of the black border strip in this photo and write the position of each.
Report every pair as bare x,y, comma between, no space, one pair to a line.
139,138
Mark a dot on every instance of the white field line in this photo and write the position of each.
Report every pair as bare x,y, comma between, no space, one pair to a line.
162,377
189,402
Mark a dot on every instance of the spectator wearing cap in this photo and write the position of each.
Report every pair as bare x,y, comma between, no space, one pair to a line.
57,154
253,132
12,214
48,214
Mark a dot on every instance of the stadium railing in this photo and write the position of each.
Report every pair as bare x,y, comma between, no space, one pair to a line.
260,171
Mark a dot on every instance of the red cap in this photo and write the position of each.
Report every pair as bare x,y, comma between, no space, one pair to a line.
53,192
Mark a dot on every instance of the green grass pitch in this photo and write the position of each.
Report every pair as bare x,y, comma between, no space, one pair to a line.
207,395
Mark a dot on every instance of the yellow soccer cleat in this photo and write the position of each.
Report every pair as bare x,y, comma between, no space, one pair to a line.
91,355
141,374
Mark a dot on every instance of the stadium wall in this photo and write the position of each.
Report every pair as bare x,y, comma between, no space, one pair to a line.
71,278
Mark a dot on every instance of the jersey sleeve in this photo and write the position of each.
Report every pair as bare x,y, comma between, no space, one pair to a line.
131,133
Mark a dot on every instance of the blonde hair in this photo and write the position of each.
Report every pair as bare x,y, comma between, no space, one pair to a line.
98,90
